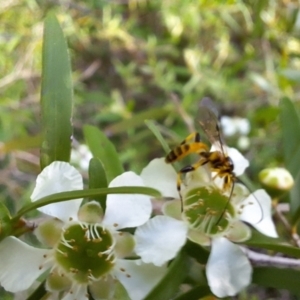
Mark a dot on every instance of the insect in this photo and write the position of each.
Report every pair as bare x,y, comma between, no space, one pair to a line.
218,161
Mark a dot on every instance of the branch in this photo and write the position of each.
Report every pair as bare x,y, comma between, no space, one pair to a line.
260,259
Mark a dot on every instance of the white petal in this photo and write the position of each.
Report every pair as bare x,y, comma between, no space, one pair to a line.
228,126
228,270
77,292
161,176
55,178
127,210
21,264
239,161
160,239
243,126
257,212
138,278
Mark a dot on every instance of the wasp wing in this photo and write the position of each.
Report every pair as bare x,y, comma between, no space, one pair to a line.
208,116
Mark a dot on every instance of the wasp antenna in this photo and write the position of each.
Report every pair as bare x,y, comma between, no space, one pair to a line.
222,214
181,204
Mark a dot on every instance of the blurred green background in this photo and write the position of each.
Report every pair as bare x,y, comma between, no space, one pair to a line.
135,60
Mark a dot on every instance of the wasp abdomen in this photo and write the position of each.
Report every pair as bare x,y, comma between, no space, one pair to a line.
177,153
185,149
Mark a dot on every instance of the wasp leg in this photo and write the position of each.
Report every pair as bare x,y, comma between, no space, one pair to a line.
193,136
187,169
228,179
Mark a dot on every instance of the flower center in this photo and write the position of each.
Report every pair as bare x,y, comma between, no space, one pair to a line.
204,210
86,251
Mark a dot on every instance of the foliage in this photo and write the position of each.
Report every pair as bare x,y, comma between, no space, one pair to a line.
135,61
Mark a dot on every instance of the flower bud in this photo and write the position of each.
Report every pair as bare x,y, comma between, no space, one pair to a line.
276,181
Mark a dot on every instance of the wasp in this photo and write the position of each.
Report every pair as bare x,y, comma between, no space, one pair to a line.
218,160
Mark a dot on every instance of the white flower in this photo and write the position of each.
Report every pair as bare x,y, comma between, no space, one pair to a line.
236,125
87,250
205,222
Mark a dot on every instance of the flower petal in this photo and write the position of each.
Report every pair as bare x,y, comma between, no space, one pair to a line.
257,211
161,176
228,126
127,210
239,161
228,270
160,239
55,178
138,278
21,264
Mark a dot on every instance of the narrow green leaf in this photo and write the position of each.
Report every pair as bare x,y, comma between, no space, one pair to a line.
279,278
294,200
58,197
56,95
277,244
290,123
103,149
168,286
196,251
196,293
151,125
5,221
39,293
97,179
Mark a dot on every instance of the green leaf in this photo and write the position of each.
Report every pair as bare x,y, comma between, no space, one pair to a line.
103,149
5,221
58,197
196,293
56,95
196,251
279,278
294,200
168,286
290,124
39,293
155,130
275,244
97,179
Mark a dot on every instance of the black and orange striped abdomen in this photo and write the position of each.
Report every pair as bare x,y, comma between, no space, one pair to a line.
183,150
